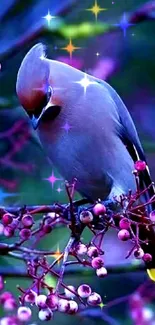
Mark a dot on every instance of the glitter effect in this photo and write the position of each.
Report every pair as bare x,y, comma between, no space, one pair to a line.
124,24
85,82
96,9
66,127
70,48
49,17
52,179
57,255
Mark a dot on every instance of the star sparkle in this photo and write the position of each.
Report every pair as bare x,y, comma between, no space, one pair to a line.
49,17
57,255
124,24
52,179
70,48
85,82
96,9
66,127
59,190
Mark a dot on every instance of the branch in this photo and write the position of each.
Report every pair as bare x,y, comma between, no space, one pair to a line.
81,271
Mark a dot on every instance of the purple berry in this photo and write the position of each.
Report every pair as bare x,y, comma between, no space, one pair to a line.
97,262
124,223
84,291
99,209
25,233
140,165
123,235
27,220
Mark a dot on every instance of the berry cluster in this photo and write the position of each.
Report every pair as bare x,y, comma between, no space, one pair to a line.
133,222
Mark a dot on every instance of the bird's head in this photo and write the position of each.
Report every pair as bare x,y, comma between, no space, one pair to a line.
32,87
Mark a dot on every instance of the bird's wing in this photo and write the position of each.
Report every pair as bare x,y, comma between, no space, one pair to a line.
127,132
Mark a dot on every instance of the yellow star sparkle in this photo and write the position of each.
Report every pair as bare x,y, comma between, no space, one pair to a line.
96,9
57,255
70,48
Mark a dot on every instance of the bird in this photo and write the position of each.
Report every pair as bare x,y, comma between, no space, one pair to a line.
100,146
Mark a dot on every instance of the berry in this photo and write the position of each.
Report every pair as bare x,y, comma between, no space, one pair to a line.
63,305
52,301
5,296
102,272
147,257
1,283
123,235
92,251
40,301
9,304
27,220
99,209
47,229
140,165
68,293
152,216
25,233
138,253
31,297
124,223
24,313
97,262
73,307
86,217
7,219
94,299
45,314
84,291
8,231
81,249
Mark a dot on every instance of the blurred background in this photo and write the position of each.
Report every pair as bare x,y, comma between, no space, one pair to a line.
110,39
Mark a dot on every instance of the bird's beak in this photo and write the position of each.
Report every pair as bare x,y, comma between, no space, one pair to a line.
35,120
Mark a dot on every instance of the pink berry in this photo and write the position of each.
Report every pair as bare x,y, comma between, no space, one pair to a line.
8,231
86,217
124,223
47,229
147,257
24,313
5,296
31,297
84,291
45,314
10,304
40,301
81,249
94,299
99,209
92,251
27,220
140,165
73,307
102,272
7,219
52,301
97,262
138,253
152,216
25,233
1,283
123,235
68,293
63,305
